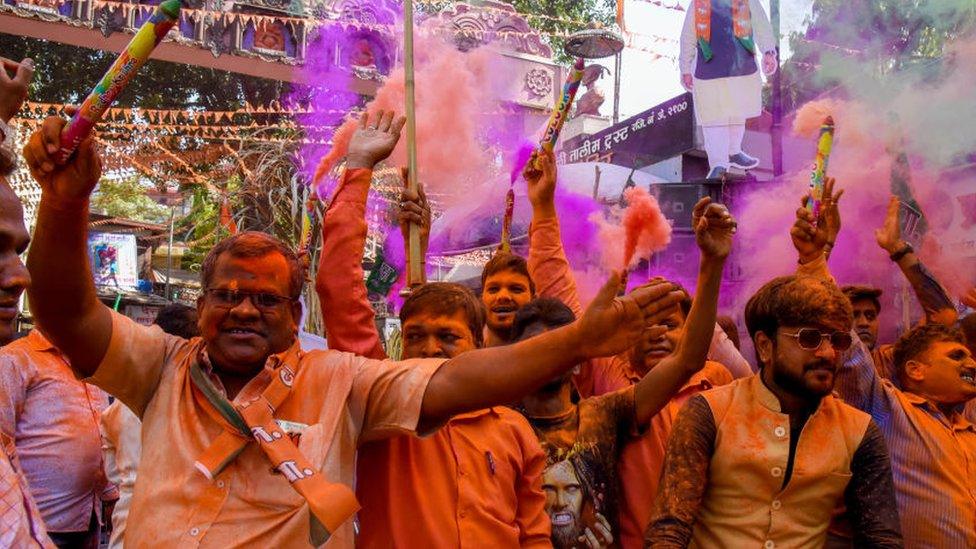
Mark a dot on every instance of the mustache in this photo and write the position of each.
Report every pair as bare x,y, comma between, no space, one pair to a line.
820,365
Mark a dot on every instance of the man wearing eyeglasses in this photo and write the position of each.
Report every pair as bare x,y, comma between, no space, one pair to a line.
767,460
248,440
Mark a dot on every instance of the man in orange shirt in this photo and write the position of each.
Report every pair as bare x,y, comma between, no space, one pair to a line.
217,466
22,525
54,416
591,433
505,288
477,480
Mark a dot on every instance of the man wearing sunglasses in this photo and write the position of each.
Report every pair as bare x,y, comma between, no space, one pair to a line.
919,410
248,440
767,460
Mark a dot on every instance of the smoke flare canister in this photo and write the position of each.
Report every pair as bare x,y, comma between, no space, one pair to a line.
121,72
819,173
561,112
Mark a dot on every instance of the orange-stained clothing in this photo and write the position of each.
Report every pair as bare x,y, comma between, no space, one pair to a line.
53,417
640,463
21,524
884,362
346,312
933,457
337,401
745,501
477,481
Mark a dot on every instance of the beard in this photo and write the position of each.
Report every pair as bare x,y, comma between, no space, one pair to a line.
802,386
565,537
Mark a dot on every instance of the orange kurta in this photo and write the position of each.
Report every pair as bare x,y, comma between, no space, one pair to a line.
476,482
337,401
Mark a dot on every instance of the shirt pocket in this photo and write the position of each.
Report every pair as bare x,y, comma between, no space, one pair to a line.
312,445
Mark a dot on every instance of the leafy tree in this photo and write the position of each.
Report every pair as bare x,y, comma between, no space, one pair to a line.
868,45
552,16
127,198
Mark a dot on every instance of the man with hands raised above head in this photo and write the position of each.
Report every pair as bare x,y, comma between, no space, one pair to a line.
217,468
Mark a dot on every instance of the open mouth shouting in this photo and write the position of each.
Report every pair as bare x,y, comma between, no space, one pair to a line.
969,376
562,519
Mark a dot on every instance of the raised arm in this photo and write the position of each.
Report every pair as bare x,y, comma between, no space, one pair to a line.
857,380
714,227
548,266
547,262
935,300
498,375
684,477
339,282
63,297
814,239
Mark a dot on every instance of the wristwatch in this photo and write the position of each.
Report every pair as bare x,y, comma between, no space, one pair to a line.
902,252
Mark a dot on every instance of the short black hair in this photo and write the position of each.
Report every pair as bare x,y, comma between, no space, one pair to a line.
446,299
549,311
918,340
179,320
254,244
727,323
859,292
796,301
506,261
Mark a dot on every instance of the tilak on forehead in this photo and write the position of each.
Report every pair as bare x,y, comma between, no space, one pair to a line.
271,267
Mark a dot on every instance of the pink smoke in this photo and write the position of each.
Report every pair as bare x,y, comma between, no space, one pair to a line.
646,228
633,233
454,100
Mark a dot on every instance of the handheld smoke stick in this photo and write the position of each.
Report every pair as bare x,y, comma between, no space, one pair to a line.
507,221
117,77
594,43
819,174
563,104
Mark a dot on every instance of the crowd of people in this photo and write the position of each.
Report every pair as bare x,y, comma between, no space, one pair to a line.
519,417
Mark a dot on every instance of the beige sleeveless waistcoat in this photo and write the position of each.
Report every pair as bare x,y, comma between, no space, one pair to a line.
745,504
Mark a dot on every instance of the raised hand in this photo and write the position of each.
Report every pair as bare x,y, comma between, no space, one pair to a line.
809,239
74,181
414,208
372,142
714,227
13,91
889,235
541,181
611,324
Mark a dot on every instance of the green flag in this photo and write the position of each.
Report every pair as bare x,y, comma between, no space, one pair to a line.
383,276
